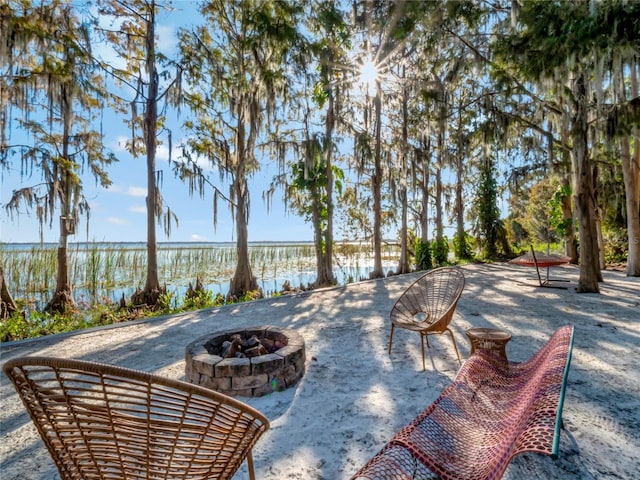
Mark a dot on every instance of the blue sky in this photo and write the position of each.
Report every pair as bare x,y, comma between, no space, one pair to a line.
118,213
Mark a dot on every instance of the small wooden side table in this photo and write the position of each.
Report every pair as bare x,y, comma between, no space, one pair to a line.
490,339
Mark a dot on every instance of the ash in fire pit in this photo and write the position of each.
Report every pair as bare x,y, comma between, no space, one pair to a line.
240,347
250,363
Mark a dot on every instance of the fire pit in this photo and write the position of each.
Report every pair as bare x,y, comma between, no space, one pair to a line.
250,363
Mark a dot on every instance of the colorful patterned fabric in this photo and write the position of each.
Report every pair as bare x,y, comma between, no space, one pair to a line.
491,412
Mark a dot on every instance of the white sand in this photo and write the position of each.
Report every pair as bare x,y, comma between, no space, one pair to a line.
354,396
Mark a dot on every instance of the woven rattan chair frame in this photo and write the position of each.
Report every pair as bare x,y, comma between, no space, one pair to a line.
104,422
428,305
488,415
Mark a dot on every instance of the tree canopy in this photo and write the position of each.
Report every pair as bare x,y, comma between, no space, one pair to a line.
475,109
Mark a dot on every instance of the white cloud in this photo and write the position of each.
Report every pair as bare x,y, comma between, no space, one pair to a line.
198,238
162,153
130,191
117,221
137,191
162,150
200,160
167,39
138,209
119,144
204,163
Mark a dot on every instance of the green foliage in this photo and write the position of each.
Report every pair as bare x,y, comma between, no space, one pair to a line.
101,310
330,44
52,92
309,186
165,300
219,300
462,246
563,226
198,300
440,251
356,221
249,296
16,327
23,324
543,214
423,255
616,246
557,35
516,233
320,94
486,206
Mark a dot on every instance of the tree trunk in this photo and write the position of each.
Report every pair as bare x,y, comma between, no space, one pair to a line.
631,176
324,275
317,238
403,264
243,280
571,246
325,262
376,186
460,231
583,190
459,206
424,190
438,203
62,298
600,236
8,305
151,293
442,126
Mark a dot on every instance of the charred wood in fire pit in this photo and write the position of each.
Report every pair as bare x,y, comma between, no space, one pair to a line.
268,344
237,346
255,351
230,348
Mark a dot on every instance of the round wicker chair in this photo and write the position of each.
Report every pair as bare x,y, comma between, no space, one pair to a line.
428,305
106,422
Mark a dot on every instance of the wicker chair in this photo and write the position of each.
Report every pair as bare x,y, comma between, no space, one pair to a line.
106,422
427,306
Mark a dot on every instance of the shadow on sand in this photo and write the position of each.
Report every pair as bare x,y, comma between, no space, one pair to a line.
354,395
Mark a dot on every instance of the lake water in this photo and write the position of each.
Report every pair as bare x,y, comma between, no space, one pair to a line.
111,270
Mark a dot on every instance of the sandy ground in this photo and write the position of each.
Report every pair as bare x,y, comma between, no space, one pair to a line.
354,395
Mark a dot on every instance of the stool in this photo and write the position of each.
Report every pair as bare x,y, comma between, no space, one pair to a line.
490,339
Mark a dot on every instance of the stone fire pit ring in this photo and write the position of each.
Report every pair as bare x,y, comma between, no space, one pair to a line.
247,377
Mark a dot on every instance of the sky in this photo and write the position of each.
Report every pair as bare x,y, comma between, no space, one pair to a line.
118,213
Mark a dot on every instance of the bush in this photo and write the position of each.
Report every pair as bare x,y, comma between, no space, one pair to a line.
23,325
462,247
440,251
616,246
15,327
198,300
423,255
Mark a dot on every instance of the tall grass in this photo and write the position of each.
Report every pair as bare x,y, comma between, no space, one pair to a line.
99,270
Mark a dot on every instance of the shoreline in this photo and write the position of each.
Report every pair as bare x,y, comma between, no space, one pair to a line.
354,396
111,270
